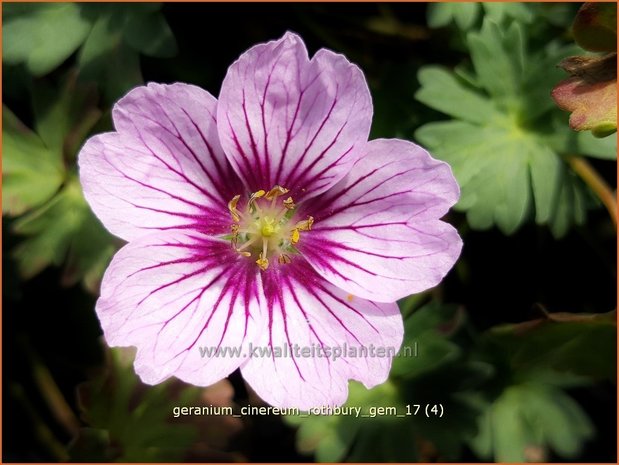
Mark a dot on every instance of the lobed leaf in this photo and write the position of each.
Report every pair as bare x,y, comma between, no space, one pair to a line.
26,163
44,36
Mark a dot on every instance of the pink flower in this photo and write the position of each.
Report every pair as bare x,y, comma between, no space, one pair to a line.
263,221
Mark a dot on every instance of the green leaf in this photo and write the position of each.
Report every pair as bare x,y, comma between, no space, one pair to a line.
426,346
43,36
525,420
498,59
136,418
440,89
108,59
464,14
498,11
562,343
31,173
151,35
604,147
63,117
62,229
504,144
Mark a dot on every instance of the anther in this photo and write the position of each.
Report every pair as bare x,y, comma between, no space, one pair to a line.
236,215
289,204
262,262
276,192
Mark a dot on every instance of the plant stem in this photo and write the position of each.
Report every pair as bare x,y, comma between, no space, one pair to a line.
597,184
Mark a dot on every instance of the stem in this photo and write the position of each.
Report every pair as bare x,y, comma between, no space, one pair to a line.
41,430
51,393
597,184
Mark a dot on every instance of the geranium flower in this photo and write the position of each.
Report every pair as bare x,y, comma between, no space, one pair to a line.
265,220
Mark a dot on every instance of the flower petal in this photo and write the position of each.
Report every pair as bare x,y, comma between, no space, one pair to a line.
173,293
314,319
164,168
377,233
286,120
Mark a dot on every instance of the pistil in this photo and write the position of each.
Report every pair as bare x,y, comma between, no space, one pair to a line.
265,230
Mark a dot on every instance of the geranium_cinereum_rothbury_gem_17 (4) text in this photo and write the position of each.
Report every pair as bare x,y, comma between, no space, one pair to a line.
265,218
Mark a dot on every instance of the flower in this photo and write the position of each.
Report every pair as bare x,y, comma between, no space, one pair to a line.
265,221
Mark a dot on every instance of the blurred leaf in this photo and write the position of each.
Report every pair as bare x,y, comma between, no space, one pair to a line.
499,11
590,94
151,35
463,14
90,445
42,35
562,343
526,420
106,57
595,27
498,145
432,379
427,342
63,117
466,14
136,418
62,229
31,173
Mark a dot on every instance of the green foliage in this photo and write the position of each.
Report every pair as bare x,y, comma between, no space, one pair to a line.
467,15
438,373
561,342
504,150
502,396
527,419
26,162
109,38
41,187
63,230
121,429
42,35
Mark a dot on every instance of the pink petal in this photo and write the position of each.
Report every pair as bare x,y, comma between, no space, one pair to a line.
377,233
171,293
306,311
286,120
163,168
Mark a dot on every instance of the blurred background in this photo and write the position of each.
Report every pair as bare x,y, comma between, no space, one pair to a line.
518,344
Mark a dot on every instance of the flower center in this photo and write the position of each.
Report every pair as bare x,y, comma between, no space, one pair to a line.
264,229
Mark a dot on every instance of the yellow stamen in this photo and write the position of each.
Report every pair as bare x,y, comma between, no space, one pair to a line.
289,204
295,236
263,263
276,192
236,215
283,259
305,225
255,196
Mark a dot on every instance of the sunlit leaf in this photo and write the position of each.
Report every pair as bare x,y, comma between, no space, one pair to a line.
510,170
62,229
43,36
464,14
31,172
